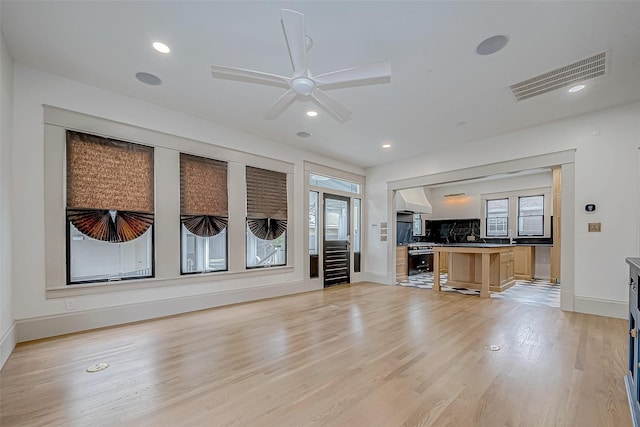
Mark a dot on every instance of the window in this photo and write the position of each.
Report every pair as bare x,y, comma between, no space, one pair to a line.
531,216
313,223
313,235
497,218
203,214
109,209
266,218
417,225
334,183
357,225
517,213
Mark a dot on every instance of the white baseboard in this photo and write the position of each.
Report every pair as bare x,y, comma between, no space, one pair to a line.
49,326
601,307
7,344
382,279
566,300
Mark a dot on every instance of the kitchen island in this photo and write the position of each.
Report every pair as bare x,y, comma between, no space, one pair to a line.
482,266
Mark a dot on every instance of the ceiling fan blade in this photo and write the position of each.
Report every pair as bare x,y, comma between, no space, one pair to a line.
378,71
230,73
278,107
332,106
293,24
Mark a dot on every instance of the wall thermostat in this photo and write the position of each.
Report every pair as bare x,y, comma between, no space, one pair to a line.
590,207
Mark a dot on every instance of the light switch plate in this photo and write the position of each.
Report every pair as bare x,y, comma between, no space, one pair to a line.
594,227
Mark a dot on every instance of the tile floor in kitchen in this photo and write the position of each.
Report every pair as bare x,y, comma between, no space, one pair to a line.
535,292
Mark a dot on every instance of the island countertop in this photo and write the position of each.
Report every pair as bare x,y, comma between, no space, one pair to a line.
491,245
476,245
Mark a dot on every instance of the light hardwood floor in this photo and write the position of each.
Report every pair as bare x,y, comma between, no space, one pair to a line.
359,355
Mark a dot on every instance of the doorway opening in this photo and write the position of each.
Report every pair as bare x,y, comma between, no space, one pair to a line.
335,209
550,259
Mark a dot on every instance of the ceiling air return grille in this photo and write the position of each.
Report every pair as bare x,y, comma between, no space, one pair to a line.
565,76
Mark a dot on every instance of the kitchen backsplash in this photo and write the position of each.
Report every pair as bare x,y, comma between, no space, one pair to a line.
451,230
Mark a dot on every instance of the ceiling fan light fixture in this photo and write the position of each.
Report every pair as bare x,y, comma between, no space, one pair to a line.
302,83
303,86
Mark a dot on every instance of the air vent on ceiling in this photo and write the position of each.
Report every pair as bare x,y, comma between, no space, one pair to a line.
565,76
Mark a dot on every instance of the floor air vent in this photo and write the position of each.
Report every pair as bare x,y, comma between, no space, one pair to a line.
565,76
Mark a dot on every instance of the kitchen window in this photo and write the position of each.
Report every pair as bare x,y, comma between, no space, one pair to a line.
531,216
497,219
518,213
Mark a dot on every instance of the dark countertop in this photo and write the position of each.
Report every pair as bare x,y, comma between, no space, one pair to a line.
477,245
493,245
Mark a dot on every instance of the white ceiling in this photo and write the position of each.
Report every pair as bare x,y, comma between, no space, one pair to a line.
437,78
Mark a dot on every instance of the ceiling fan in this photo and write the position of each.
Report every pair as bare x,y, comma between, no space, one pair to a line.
302,83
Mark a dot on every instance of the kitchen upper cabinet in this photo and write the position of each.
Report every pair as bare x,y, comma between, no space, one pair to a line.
524,262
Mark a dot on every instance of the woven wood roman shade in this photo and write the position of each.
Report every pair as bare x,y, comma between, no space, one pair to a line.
204,208
266,202
110,194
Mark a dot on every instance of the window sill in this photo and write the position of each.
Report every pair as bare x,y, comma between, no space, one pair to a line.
126,285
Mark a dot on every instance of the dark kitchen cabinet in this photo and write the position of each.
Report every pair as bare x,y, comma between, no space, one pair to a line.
631,379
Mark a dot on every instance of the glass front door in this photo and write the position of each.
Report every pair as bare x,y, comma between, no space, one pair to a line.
336,240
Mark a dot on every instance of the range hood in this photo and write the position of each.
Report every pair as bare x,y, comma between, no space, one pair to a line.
412,200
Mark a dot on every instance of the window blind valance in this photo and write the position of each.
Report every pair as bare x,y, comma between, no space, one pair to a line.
266,202
204,208
110,193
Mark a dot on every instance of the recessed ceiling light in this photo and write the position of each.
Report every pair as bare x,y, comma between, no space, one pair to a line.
304,134
148,78
386,145
492,45
576,88
461,123
312,113
161,47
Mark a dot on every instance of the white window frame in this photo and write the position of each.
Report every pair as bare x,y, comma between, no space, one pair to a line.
524,216
317,169
513,211
167,244
486,215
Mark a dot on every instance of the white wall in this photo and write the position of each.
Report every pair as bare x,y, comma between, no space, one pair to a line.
33,88
606,173
469,205
7,336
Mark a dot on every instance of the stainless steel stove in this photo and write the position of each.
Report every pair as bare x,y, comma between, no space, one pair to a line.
420,257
